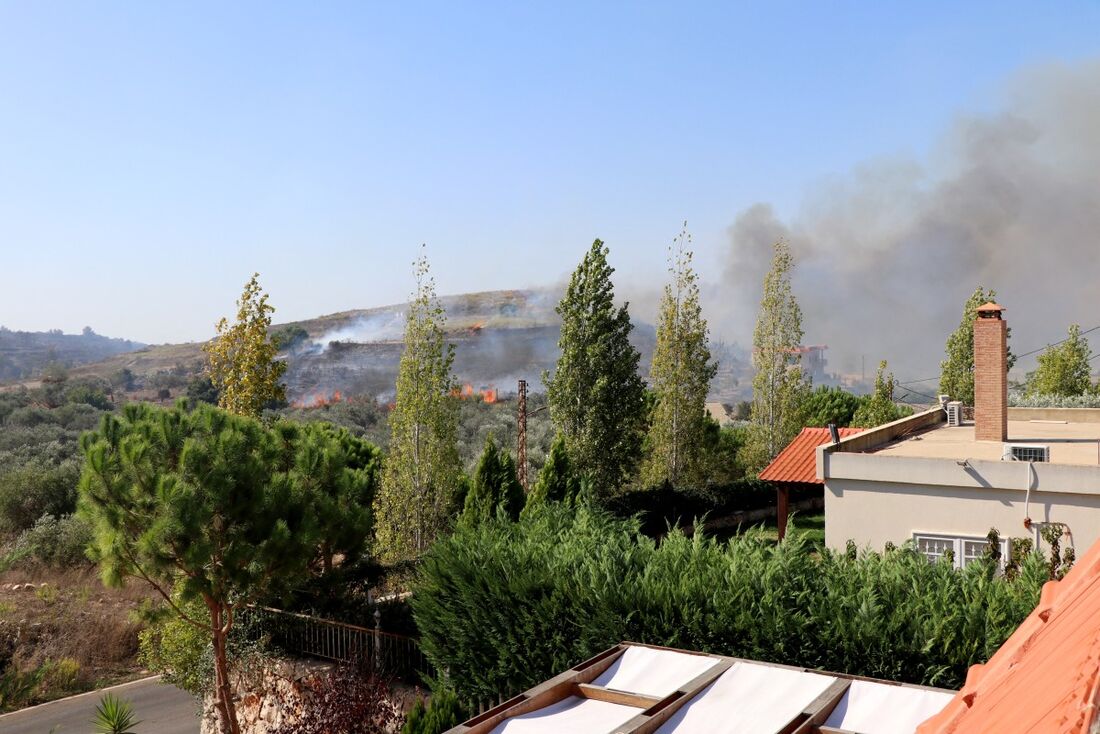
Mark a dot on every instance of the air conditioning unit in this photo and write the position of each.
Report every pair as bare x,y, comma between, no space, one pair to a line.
1025,452
954,413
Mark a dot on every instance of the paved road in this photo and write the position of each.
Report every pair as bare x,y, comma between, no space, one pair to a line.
162,709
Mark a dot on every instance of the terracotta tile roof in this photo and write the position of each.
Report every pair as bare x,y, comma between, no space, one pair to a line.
1045,677
798,462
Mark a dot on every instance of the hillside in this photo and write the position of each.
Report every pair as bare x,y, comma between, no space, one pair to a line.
499,338
23,354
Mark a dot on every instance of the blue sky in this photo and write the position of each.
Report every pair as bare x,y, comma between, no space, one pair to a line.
152,155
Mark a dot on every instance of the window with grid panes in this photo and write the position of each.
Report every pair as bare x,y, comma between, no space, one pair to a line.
965,549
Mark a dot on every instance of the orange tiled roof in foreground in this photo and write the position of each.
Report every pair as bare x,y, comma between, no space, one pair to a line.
1045,677
798,462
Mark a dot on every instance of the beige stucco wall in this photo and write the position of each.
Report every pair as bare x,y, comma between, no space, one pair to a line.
874,512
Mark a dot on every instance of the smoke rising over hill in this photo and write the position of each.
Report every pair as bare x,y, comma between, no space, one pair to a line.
887,256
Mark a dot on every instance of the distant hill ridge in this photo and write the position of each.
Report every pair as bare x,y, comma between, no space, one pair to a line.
499,337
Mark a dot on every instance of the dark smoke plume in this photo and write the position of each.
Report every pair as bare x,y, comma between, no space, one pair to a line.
887,256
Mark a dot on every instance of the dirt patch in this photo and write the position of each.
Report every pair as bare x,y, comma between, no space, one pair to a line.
67,629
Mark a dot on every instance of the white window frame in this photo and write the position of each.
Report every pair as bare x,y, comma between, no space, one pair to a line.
958,546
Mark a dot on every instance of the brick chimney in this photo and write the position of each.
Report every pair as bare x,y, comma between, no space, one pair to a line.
990,374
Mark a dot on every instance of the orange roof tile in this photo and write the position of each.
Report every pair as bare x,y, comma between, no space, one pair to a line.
1045,677
798,462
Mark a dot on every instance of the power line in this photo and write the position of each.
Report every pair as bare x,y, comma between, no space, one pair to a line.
1017,356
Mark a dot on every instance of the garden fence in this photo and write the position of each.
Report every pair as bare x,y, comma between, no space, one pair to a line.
384,652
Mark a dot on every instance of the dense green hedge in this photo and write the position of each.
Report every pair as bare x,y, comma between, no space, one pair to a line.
503,606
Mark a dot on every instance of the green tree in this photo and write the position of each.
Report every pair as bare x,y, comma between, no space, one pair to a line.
339,474
679,377
957,369
597,400
241,358
495,488
1063,368
827,405
879,407
779,387
421,472
196,501
557,481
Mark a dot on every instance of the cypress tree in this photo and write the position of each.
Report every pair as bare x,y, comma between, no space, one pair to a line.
597,399
679,377
421,472
557,482
495,488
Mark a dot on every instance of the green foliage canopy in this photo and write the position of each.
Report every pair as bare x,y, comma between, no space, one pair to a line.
495,488
567,584
1064,369
680,377
778,387
879,407
957,368
201,500
597,399
827,405
421,471
241,358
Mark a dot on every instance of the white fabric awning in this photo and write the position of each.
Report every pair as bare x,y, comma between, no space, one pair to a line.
748,699
652,672
880,708
573,715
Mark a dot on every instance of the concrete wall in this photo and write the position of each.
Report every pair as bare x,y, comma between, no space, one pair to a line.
874,512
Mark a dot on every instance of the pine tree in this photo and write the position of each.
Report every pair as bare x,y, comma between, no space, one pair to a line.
597,399
241,360
198,505
779,387
957,369
495,488
879,407
557,482
421,472
679,377
1064,369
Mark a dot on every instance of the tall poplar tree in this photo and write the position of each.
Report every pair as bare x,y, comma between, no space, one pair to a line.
779,387
421,471
597,399
680,376
241,360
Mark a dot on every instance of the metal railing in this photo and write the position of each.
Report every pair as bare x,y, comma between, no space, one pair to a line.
301,634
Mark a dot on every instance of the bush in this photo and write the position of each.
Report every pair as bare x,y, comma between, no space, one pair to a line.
567,584
57,542
36,489
442,713
1019,399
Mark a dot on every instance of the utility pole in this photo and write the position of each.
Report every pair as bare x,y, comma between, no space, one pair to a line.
521,423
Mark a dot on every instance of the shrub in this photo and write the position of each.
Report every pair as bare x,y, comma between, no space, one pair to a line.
827,405
114,716
58,542
567,584
443,712
35,489
1019,399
